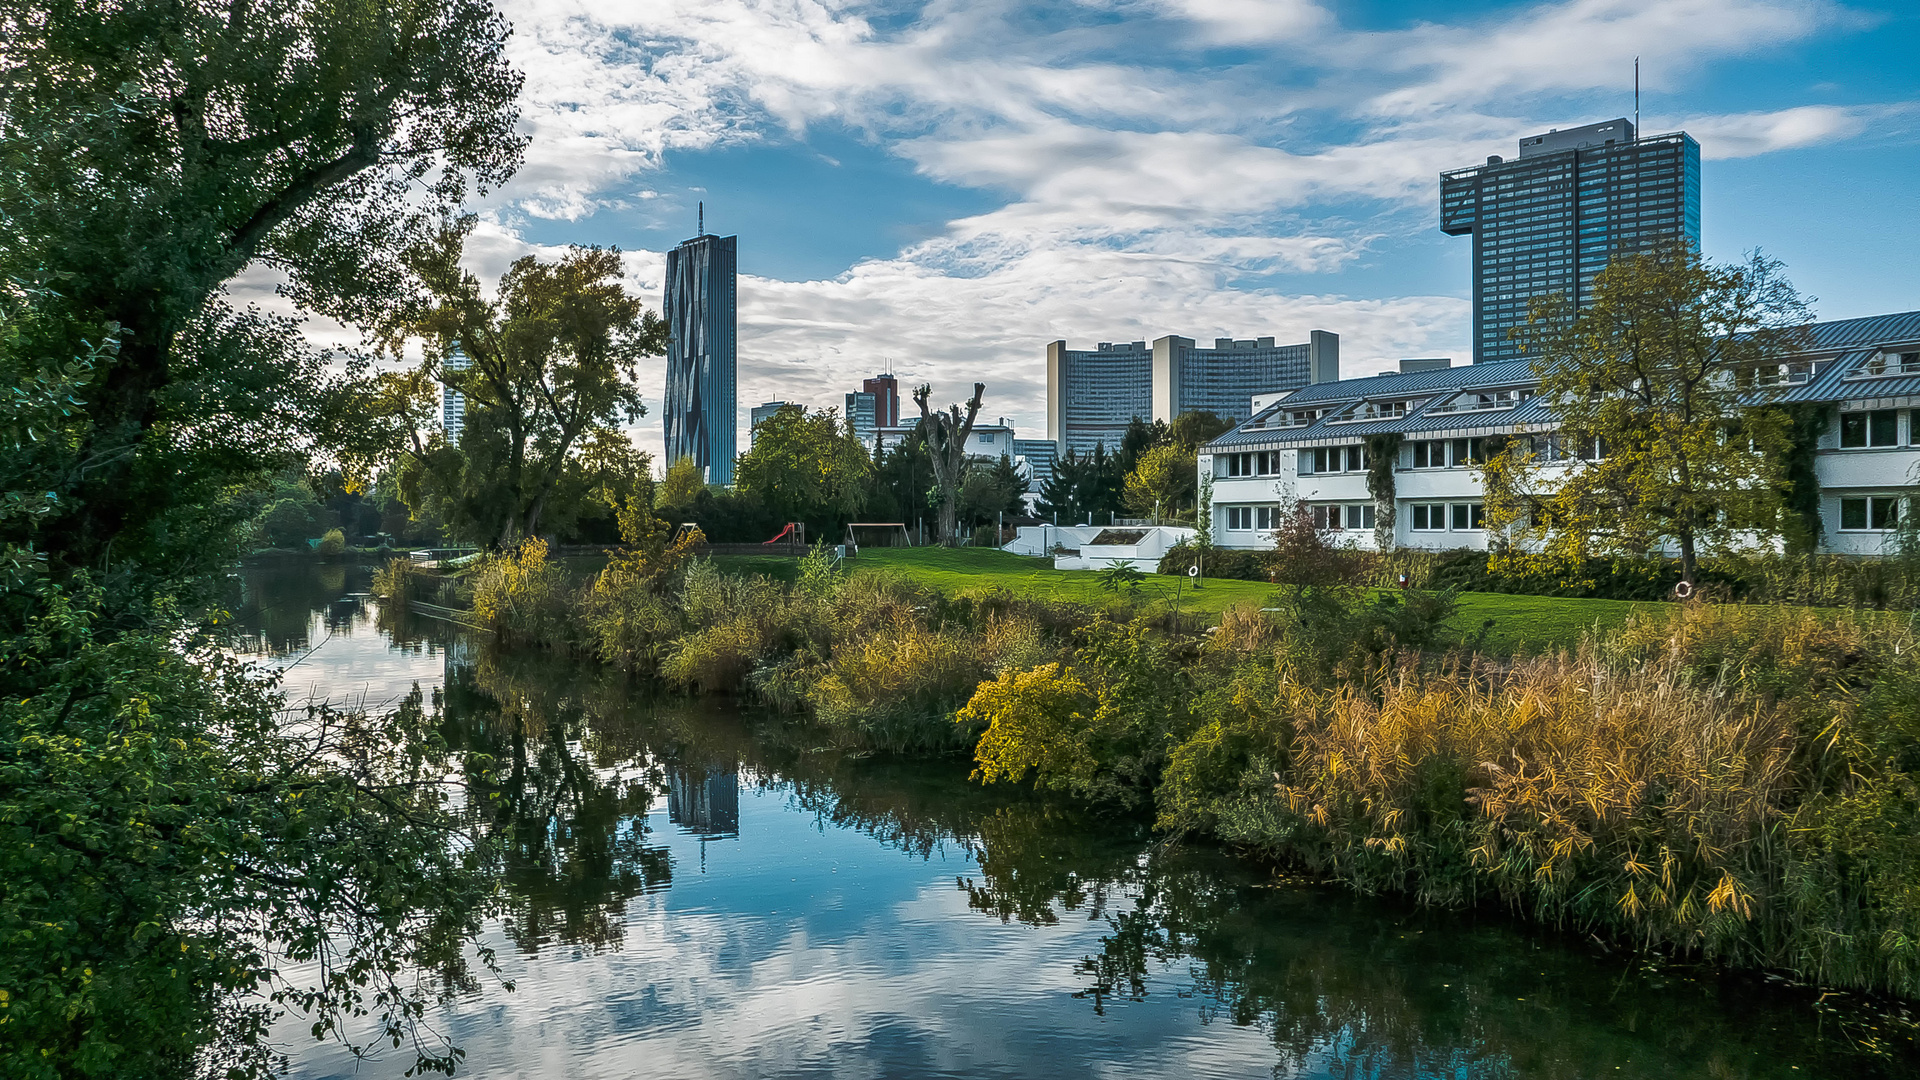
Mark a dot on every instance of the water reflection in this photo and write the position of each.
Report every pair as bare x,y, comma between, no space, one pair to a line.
704,801
696,892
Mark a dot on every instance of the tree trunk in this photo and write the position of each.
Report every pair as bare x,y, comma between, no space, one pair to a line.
946,435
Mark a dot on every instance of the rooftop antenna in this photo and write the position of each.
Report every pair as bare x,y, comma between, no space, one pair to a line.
1636,119
1636,99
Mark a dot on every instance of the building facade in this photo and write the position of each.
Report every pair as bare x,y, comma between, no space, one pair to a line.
1036,456
453,404
886,399
764,412
701,392
1548,221
1310,445
1093,394
863,413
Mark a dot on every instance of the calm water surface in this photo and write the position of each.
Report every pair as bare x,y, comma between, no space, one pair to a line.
700,893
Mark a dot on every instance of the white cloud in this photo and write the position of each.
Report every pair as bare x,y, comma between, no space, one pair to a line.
1141,171
1581,46
1750,134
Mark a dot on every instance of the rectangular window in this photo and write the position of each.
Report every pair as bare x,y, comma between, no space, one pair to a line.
1859,430
1468,516
1878,513
1429,517
1265,515
1420,455
1883,513
1354,463
1320,518
1236,518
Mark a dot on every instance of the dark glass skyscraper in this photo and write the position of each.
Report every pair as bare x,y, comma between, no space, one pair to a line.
701,356
1548,221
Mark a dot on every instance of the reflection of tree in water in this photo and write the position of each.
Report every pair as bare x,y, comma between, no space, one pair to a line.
568,804
1340,984
1363,988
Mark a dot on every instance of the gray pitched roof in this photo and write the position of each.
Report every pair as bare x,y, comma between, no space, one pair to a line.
1853,342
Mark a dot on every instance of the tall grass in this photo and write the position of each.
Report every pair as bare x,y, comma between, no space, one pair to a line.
1733,781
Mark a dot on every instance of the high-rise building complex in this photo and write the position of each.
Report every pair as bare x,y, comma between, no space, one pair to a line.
1093,394
761,413
886,406
453,404
1548,221
863,414
701,356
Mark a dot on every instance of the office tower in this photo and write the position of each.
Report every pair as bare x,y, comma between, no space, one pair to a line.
453,404
1548,221
700,396
863,413
1092,395
765,412
886,392
1038,456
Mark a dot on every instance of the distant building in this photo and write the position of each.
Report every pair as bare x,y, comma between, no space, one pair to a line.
863,414
701,397
886,394
886,437
767,411
1037,457
1093,394
1549,221
453,404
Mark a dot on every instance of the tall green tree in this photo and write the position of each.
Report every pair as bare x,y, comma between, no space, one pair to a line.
1162,483
992,492
151,150
551,371
173,849
1660,389
806,467
902,480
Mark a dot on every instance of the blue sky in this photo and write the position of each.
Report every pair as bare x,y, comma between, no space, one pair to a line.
948,186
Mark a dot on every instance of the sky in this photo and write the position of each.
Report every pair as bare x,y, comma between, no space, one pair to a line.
943,188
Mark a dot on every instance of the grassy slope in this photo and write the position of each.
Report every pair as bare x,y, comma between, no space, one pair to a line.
1520,623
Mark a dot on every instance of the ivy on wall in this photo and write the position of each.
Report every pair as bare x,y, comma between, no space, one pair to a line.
1806,422
1383,456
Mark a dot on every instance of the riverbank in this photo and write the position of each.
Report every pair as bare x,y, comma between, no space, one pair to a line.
1733,783
692,881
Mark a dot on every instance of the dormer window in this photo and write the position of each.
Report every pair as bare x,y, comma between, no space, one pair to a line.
1892,362
1789,374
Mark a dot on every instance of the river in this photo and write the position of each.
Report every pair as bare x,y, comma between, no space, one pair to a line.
695,891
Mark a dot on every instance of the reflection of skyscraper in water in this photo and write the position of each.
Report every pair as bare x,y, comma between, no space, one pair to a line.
458,658
705,802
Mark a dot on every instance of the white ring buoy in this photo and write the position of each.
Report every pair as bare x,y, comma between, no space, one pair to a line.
1683,590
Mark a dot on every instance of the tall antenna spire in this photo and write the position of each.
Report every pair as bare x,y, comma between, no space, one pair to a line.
1636,119
1636,99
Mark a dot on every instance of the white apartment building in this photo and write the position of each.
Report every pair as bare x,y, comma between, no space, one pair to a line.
1310,444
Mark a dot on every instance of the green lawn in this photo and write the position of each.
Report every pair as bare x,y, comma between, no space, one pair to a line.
1520,623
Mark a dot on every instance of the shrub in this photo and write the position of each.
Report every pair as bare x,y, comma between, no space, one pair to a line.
898,689
525,599
402,581
333,543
